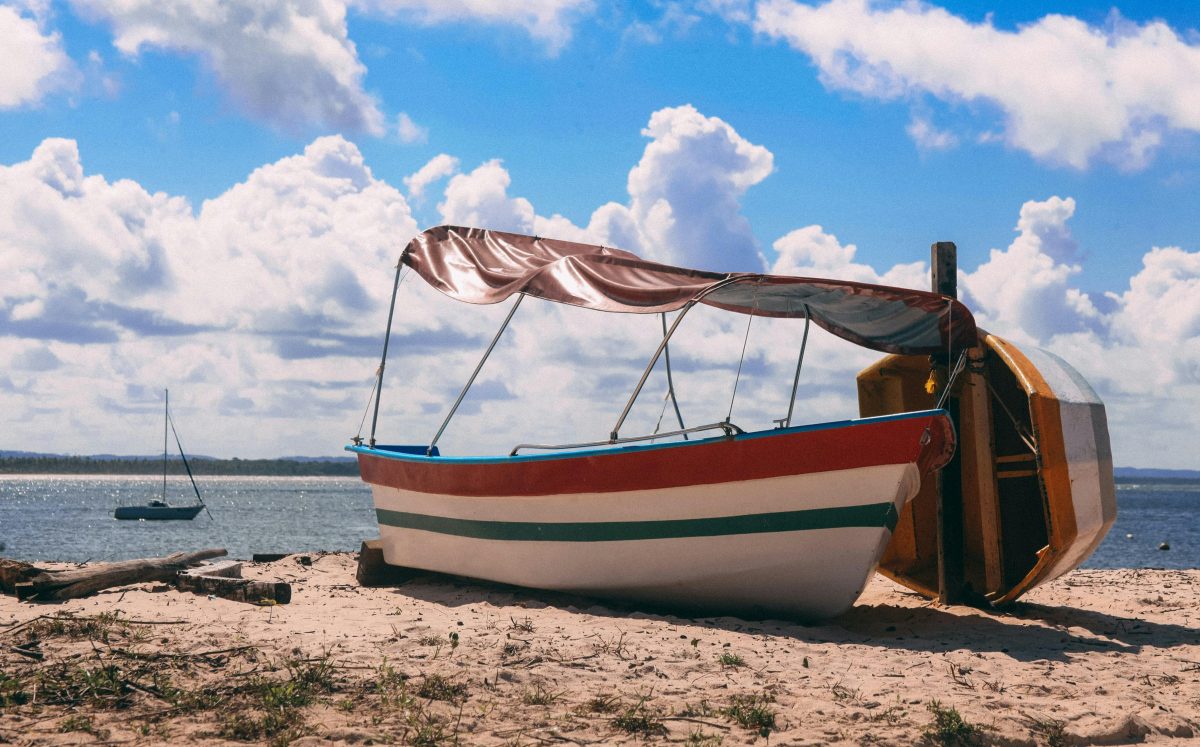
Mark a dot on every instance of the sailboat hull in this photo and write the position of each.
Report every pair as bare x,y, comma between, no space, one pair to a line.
782,523
158,513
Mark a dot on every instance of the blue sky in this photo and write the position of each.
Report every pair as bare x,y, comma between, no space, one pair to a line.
236,181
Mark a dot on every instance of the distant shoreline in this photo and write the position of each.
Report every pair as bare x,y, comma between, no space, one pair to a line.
67,465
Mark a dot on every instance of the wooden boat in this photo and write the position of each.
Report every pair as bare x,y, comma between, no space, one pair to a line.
1036,469
787,521
158,509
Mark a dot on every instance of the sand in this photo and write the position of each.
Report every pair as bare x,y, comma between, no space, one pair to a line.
1098,657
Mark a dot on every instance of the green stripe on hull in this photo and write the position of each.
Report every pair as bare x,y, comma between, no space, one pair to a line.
869,516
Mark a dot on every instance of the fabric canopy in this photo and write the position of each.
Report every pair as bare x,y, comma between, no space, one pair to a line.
481,266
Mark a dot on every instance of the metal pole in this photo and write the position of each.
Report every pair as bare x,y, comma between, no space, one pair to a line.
649,367
799,363
387,336
670,381
166,418
478,368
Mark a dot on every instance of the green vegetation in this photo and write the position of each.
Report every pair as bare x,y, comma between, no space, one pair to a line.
437,687
76,465
729,659
752,712
949,728
539,695
640,720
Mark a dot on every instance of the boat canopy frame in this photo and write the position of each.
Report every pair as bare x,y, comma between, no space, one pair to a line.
483,267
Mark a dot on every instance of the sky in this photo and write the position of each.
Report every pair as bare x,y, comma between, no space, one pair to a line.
211,197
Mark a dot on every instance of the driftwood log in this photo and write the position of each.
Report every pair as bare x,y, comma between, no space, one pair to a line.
224,580
13,572
42,585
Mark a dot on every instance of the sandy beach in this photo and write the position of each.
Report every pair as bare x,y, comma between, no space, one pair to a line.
1097,657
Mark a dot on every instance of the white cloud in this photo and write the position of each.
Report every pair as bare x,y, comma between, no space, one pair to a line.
291,64
927,136
684,197
734,11
1024,289
548,21
1069,91
480,198
437,168
271,294
686,190
409,131
34,62
266,306
674,21
810,252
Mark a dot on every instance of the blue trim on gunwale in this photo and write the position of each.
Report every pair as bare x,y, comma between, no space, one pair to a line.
602,451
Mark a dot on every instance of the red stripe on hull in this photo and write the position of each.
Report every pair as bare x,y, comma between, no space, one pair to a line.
862,444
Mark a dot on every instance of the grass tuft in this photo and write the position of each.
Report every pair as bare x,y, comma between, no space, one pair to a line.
80,722
540,695
752,712
730,659
640,720
602,704
437,687
949,728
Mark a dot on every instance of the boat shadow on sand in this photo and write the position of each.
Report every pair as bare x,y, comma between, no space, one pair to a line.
1023,631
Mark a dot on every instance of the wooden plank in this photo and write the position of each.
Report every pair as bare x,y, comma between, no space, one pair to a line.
222,569
951,559
950,523
979,477
1016,458
373,570
236,589
1015,473
944,267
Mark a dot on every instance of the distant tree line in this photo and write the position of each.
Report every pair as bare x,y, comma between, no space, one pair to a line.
76,465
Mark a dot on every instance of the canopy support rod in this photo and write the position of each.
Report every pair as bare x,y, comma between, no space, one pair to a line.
613,436
478,368
799,363
387,336
670,381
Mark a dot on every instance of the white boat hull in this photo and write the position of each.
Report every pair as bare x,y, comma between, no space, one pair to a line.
804,573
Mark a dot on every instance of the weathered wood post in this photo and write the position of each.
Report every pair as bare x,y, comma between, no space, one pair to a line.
944,263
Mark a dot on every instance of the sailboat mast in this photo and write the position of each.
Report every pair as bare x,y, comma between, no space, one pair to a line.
166,417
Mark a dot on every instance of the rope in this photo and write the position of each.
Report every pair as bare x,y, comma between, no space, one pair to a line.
741,360
371,398
1020,429
188,467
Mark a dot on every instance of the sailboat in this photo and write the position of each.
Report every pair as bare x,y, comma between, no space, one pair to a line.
158,509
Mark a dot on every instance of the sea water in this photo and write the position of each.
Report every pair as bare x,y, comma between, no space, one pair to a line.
69,518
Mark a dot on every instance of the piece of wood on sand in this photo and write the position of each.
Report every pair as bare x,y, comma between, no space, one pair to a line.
373,570
13,572
80,582
225,580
